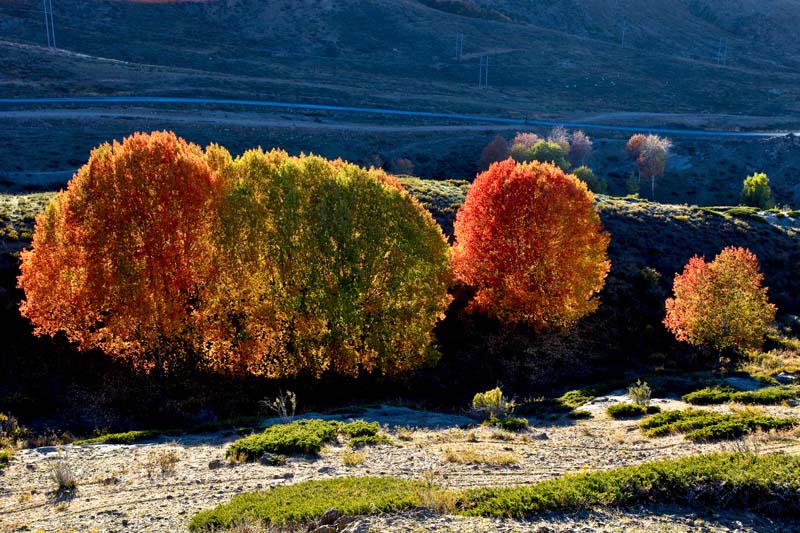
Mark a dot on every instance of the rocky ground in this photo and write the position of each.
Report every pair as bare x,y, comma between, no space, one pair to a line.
123,487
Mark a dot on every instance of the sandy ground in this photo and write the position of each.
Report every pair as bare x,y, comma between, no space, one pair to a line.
118,490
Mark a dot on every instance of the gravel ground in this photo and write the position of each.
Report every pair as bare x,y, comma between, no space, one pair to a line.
120,488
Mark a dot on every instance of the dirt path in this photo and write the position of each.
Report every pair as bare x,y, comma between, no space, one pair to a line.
118,489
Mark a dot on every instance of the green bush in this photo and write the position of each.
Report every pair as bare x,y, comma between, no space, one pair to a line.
5,457
640,393
292,504
701,425
360,428
575,398
595,184
542,151
493,403
509,423
300,437
128,437
756,191
767,484
369,440
765,396
630,410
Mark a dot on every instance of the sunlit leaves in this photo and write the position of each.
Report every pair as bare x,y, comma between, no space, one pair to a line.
720,304
531,244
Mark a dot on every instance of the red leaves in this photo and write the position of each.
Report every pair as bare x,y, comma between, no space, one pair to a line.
120,256
720,304
529,240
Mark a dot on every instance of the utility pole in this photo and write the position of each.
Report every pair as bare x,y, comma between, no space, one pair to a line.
722,53
48,23
483,74
624,31
459,46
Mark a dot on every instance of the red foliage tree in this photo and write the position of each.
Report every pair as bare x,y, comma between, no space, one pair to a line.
580,149
496,150
650,155
529,241
120,258
721,304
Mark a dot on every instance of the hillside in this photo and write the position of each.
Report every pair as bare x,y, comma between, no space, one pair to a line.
554,56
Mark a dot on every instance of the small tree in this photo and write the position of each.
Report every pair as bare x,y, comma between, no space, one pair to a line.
120,259
560,136
756,192
720,305
650,154
496,150
529,241
580,149
403,165
525,139
542,151
595,184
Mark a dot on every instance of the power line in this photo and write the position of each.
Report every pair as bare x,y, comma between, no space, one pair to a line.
483,74
49,25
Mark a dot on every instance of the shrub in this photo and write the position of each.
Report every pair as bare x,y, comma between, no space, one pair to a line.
283,405
640,393
543,152
301,502
702,425
756,192
575,398
361,428
595,184
765,396
493,403
61,473
128,437
720,304
369,440
531,245
512,423
364,270
352,458
5,457
302,436
630,410
118,260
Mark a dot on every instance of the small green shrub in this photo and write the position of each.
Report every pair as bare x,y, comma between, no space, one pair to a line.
128,437
587,175
765,396
575,398
302,436
293,504
509,423
493,403
579,414
640,393
5,457
369,440
630,410
360,428
701,425
756,191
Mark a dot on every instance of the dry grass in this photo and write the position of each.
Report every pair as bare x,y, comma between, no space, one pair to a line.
164,461
352,457
62,474
468,456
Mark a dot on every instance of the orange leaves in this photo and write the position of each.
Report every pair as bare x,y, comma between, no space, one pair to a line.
720,304
529,240
120,257
267,264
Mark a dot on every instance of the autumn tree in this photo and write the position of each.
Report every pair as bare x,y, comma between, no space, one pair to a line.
560,136
496,150
542,151
525,139
120,258
322,266
756,191
649,153
580,149
531,245
720,305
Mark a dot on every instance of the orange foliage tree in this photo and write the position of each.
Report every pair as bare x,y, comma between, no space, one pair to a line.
721,304
120,258
531,244
323,266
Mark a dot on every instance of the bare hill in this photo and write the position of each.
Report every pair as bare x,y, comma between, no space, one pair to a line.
546,56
